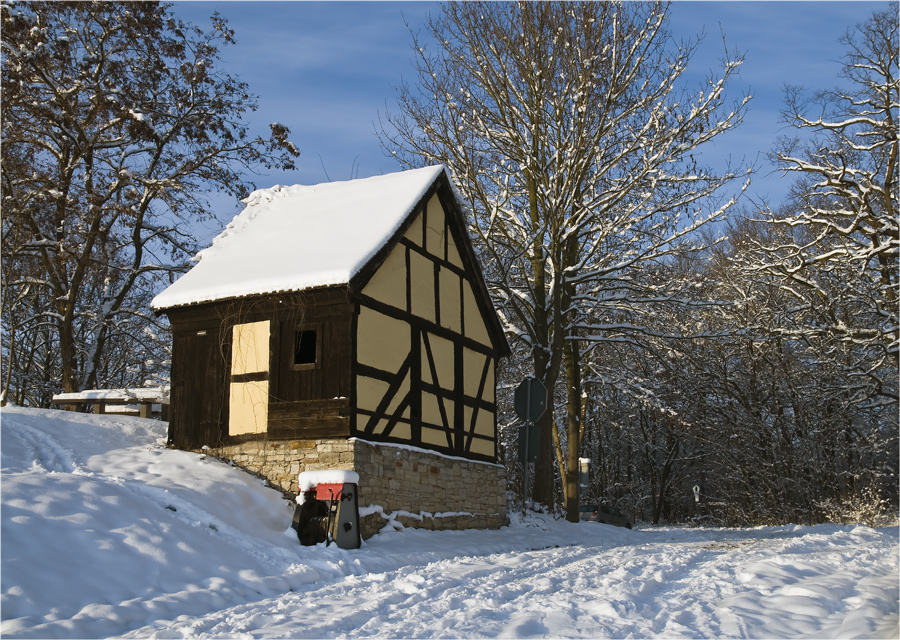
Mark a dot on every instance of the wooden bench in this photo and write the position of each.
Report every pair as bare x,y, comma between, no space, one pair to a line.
100,399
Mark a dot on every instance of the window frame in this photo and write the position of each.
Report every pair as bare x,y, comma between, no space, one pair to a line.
307,366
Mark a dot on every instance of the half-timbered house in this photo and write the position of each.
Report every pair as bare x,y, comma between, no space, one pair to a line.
346,325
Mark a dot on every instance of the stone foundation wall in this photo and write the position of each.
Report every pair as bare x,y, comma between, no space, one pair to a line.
418,488
398,485
281,461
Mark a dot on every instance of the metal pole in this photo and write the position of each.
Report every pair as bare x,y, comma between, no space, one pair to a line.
527,444
525,472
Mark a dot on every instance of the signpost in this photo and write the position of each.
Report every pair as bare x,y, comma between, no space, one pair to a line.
530,402
584,474
696,489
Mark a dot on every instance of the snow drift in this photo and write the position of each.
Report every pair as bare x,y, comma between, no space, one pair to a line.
107,533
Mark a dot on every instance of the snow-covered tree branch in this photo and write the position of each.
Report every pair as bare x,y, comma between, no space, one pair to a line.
116,122
570,131
843,219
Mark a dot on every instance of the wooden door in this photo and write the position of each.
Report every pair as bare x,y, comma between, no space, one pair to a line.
248,398
196,401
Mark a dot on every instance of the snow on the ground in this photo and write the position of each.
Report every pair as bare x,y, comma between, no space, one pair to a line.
107,533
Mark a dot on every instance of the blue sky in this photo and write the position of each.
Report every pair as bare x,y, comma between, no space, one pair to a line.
328,69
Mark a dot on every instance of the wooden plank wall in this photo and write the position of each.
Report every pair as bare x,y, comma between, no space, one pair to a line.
304,402
329,312
197,410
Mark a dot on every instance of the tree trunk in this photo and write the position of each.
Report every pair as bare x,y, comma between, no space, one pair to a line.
544,476
542,489
664,480
573,428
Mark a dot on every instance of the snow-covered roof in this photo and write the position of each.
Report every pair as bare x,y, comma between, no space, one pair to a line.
300,237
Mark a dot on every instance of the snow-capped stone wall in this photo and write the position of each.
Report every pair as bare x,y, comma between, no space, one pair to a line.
398,485
417,488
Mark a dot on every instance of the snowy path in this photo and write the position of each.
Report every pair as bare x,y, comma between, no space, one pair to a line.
105,533
754,584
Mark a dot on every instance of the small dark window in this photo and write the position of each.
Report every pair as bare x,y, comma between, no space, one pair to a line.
305,351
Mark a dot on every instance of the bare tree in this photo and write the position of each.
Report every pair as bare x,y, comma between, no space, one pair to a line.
843,219
570,132
775,423
798,423
116,122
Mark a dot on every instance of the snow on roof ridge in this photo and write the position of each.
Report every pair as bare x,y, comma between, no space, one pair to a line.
248,213
292,238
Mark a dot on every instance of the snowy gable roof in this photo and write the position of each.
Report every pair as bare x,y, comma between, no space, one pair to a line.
300,237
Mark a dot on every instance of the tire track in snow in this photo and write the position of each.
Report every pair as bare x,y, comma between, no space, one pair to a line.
493,596
649,591
49,455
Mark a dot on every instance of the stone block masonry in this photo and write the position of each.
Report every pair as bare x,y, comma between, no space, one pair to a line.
280,462
398,484
419,488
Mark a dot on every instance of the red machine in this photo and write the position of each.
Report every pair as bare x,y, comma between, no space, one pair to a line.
329,513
